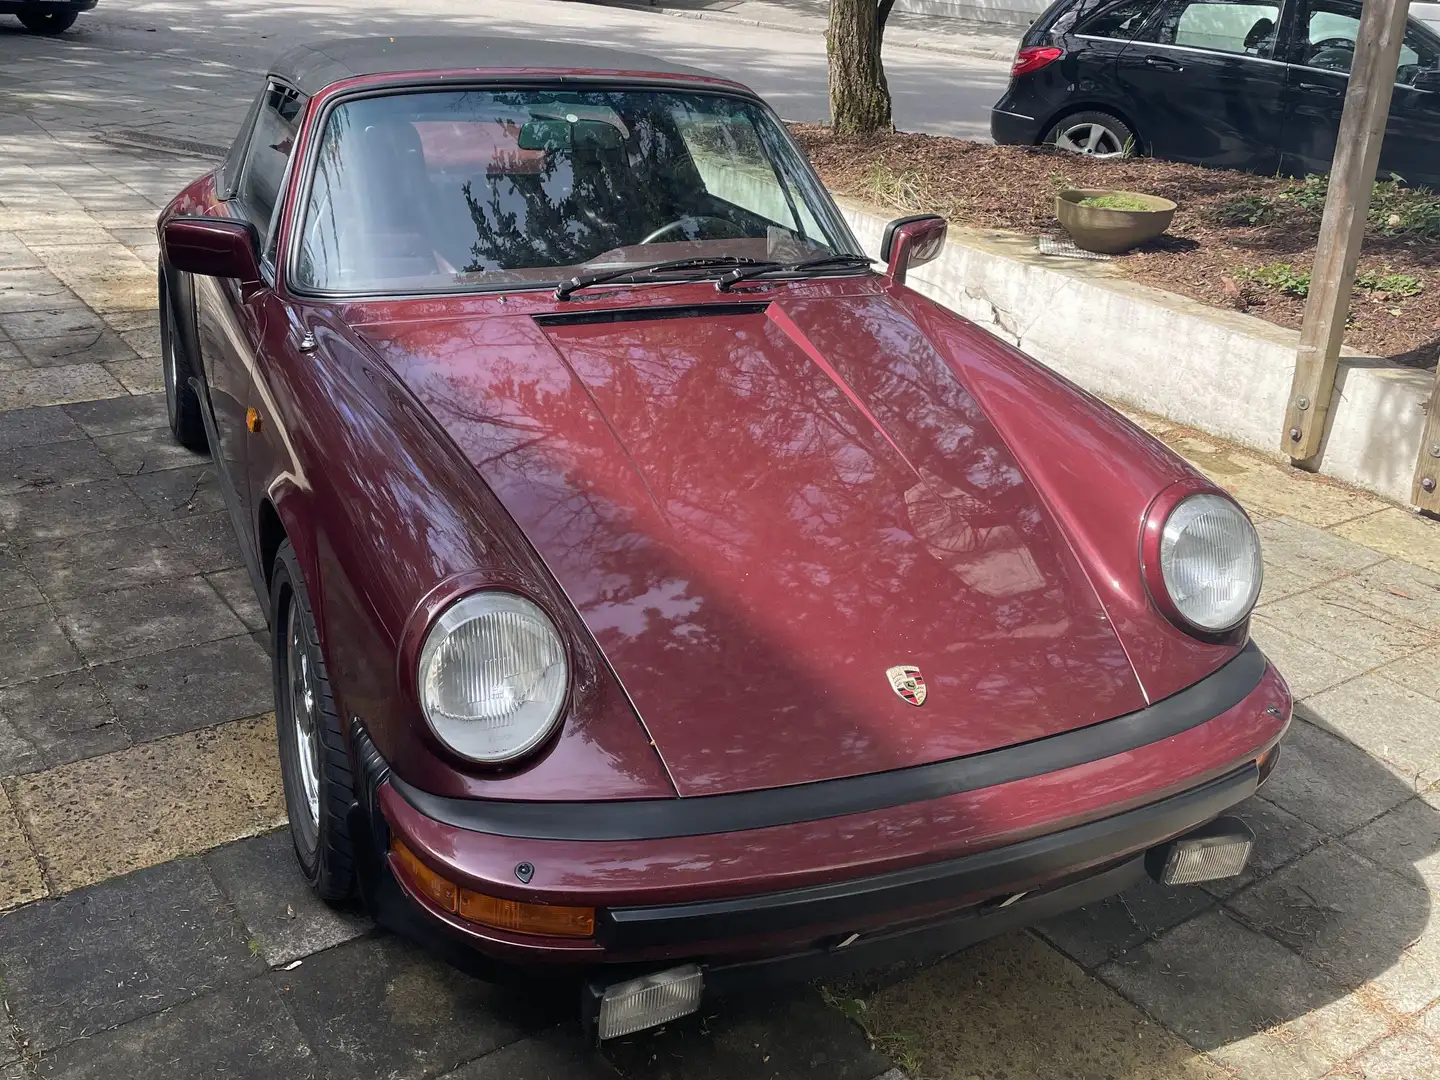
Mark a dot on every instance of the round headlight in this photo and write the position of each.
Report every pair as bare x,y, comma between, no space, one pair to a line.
1210,562
492,676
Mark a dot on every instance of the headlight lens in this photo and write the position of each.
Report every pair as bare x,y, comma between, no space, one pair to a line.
492,676
1210,562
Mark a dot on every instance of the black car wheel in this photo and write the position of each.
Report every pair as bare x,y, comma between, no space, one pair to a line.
314,759
1095,134
39,21
182,403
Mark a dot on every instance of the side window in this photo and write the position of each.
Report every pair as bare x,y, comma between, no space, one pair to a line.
1121,21
1245,29
1331,29
269,150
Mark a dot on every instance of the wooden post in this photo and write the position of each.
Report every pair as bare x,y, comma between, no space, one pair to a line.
1426,492
1342,228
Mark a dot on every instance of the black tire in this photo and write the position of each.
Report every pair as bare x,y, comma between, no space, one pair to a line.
182,403
38,21
322,834
1107,136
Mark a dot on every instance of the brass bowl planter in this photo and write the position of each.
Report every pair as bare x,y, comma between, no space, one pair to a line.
1110,230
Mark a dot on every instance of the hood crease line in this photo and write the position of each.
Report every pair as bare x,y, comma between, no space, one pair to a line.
781,318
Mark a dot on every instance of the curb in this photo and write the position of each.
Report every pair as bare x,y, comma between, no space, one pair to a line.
947,48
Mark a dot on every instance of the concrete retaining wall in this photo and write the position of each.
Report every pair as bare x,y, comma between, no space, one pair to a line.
999,12
1222,372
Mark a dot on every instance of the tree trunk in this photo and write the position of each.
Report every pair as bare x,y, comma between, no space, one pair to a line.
859,97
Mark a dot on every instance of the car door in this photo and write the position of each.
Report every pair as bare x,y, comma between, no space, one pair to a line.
1209,87
1322,35
231,321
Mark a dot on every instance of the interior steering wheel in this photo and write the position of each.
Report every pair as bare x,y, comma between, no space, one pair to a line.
1333,54
729,230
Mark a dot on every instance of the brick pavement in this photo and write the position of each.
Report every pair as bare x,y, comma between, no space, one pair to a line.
155,916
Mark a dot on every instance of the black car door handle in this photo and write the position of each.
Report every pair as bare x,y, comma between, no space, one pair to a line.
1321,88
1163,64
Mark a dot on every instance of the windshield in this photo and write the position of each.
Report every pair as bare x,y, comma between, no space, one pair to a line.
438,191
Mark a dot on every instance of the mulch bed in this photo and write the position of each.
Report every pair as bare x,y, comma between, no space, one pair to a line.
1013,188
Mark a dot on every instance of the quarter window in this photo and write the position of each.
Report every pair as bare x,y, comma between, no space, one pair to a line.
1121,21
268,152
1245,29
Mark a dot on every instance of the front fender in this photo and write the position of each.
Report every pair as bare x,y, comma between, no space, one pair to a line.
388,519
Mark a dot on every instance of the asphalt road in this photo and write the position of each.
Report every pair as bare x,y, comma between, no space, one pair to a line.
935,92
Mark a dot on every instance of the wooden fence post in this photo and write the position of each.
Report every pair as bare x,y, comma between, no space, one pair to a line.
1426,492
1342,227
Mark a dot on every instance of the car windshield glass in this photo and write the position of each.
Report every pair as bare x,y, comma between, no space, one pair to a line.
439,191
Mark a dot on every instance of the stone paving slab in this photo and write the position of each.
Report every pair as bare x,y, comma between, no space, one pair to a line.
93,819
286,920
131,947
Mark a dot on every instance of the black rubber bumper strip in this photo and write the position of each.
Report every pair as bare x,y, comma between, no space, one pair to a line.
985,874
656,819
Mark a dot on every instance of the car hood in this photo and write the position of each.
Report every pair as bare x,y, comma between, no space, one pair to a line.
760,509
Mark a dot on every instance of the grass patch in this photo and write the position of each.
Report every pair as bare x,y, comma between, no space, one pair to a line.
1282,277
901,1047
1117,200
1391,284
1287,279
1395,210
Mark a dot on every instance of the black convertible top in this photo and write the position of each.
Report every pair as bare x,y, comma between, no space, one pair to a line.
311,68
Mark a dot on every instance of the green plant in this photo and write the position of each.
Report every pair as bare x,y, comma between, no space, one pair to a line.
1117,200
1389,283
1248,208
1282,277
1395,210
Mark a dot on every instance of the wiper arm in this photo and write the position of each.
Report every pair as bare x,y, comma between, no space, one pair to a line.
581,281
824,262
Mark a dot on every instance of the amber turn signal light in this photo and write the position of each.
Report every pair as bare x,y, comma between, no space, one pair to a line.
552,920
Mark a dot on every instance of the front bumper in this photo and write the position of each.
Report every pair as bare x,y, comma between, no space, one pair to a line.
775,900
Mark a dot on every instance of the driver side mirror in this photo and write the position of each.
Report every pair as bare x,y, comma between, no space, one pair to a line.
910,242
212,247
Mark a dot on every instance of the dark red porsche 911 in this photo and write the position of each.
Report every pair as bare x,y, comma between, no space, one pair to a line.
660,595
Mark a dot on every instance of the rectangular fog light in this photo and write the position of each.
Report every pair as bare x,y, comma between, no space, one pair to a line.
654,999
1218,850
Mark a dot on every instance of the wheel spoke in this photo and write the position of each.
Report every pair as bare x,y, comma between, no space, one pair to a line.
302,715
1096,133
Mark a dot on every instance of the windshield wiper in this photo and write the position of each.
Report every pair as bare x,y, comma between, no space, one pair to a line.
824,262
719,262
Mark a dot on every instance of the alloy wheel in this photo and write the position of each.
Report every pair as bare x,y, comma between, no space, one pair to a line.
172,367
1091,139
302,714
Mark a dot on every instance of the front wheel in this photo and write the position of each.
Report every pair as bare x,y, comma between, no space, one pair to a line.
1094,134
314,757
39,21
182,403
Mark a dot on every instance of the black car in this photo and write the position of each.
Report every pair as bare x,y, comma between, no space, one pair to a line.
1247,84
46,16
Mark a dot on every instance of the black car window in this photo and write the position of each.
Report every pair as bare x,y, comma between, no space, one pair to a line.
269,150
1331,27
1246,29
1121,21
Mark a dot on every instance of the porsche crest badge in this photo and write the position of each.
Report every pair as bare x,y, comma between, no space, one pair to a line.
908,683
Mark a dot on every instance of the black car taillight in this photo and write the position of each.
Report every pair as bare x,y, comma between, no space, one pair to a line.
1034,57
